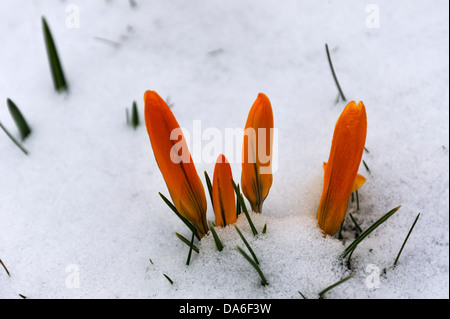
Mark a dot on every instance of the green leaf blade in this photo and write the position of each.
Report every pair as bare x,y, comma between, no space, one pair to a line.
21,123
335,285
374,226
59,79
255,265
183,219
406,239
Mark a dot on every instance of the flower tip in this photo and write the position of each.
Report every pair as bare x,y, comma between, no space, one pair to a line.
262,99
361,105
149,94
221,159
262,96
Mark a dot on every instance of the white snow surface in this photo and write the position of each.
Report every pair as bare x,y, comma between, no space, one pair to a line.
85,201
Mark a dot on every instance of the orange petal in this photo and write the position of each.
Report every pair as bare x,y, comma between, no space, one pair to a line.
224,201
357,184
256,177
175,161
359,181
341,169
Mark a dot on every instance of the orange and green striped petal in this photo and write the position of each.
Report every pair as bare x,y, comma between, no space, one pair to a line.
175,161
341,176
224,201
257,177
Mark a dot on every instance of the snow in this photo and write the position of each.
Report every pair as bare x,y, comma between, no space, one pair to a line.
85,201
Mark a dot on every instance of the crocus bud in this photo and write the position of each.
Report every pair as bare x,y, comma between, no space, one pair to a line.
224,201
175,162
256,177
341,178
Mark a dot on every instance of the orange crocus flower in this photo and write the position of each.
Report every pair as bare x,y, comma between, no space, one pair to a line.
256,177
341,178
175,162
224,201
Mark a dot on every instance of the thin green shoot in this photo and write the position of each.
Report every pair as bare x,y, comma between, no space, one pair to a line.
403,245
191,245
366,166
127,114
303,296
59,79
334,73
216,237
183,219
238,204
4,267
264,229
188,243
168,278
21,123
255,265
13,139
357,200
247,245
366,233
209,186
335,285
107,41
244,208
355,222
134,116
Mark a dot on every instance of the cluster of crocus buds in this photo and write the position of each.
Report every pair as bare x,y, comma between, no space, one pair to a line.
185,187
171,152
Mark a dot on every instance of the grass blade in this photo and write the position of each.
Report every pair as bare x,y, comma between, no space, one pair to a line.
264,229
209,186
59,80
334,74
409,233
255,265
361,237
357,200
217,240
134,116
366,166
112,43
187,242
191,245
244,208
168,278
238,204
355,222
335,285
4,267
247,245
184,220
127,114
303,296
18,118
13,139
